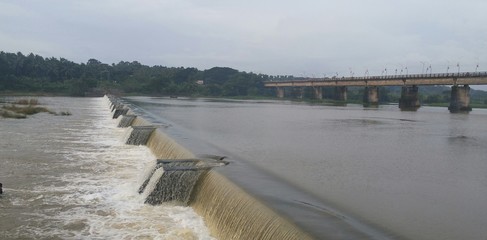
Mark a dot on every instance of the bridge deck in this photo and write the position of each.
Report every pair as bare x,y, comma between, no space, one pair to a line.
470,78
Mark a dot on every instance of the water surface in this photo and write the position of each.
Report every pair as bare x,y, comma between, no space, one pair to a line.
415,175
72,177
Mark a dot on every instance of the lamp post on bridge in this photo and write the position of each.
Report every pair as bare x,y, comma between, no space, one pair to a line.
422,69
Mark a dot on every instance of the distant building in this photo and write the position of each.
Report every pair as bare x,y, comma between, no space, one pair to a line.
200,82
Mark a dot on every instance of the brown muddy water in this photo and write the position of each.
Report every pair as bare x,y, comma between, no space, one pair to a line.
411,175
72,177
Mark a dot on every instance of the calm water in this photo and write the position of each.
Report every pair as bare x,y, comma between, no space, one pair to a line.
415,175
72,177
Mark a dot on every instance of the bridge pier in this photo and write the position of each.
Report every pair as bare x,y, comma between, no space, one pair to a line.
280,92
341,93
318,92
409,98
371,96
460,99
299,92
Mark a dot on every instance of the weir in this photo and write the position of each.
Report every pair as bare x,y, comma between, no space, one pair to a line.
177,179
174,185
139,135
221,197
126,121
119,112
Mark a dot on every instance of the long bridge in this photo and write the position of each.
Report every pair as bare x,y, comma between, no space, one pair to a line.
460,90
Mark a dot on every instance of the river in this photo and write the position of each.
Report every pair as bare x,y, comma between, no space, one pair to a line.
412,175
73,177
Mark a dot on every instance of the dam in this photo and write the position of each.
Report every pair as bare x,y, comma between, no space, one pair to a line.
234,208
386,173
242,169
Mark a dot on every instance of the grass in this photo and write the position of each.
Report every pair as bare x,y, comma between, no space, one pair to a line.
23,107
27,110
31,102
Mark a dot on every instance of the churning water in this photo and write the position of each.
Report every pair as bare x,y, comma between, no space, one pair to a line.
73,177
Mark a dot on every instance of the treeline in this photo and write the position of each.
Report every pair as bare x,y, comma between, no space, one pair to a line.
34,73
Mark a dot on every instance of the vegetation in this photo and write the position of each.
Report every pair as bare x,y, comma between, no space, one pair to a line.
33,74
23,107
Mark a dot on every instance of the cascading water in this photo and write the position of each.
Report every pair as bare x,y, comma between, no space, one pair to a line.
126,121
177,179
119,112
174,186
72,178
139,135
229,211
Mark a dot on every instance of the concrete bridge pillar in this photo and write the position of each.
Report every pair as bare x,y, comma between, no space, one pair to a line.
460,99
409,98
300,93
280,92
371,96
341,93
318,92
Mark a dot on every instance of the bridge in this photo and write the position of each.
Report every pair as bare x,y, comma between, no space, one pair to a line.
460,90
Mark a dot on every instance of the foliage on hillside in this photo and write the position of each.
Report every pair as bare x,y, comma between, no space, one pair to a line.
33,73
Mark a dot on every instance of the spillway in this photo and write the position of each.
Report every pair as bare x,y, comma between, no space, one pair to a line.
228,200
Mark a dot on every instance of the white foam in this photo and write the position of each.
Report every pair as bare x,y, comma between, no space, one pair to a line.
99,196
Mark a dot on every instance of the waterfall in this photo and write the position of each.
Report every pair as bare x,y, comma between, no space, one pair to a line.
120,111
140,135
126,121
165,148
152,182
174,186
177,180
146,175
232,213
228,211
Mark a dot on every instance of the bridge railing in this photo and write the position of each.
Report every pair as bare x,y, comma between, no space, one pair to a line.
392,77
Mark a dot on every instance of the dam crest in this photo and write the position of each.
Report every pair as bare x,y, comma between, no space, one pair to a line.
179,176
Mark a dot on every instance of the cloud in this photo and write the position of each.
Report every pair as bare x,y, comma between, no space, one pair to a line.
274,37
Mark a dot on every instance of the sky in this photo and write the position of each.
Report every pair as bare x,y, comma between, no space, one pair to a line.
306,38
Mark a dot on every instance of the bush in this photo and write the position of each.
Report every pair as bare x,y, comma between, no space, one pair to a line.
31,102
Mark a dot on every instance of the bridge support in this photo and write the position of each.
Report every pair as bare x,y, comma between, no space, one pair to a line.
280,92
299,92
409,98
460,99
371,96
341,93
318,92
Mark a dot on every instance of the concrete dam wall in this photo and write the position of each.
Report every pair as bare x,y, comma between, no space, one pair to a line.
228,210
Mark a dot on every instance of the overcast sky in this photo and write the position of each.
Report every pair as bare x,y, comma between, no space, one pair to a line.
302,38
